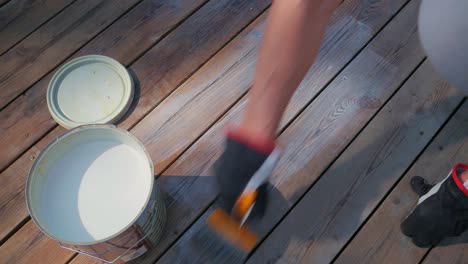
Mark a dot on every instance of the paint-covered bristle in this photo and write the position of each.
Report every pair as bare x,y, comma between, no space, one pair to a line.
240,236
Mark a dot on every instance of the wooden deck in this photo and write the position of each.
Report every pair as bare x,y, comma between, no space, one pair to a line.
370,114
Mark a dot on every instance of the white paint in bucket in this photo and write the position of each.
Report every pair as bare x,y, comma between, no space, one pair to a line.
91,186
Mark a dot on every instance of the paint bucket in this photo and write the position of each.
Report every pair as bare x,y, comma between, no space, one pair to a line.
92,190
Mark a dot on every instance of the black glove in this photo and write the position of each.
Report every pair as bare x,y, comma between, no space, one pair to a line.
442,210
234,169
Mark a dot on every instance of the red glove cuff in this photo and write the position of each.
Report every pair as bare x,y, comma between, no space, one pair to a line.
457,179
257,142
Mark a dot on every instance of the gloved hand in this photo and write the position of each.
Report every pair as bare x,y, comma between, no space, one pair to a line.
442,210
242,157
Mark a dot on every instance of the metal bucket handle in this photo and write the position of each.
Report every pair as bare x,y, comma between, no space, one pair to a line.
152,206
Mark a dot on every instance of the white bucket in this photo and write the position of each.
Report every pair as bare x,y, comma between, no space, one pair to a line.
92,189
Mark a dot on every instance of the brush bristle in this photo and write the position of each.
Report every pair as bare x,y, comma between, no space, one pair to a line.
239,236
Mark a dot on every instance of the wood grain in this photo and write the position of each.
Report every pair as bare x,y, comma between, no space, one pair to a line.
28,117
454,254
85,260
20,18
52,43
335,117
333,210
13,209
381,239
29,245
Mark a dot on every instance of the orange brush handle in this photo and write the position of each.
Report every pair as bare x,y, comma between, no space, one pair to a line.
244,203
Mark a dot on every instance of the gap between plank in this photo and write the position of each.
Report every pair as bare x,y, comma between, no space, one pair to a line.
70,55
6,2
163,36
34,30
425,255
182,233
71,258
14,230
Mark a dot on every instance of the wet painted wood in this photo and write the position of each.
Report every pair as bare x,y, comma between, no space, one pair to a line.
21,17
381,239
326,218
340,114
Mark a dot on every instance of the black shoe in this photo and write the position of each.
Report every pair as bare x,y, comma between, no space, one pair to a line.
420,186
442,211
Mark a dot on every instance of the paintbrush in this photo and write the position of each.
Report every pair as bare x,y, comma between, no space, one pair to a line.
229,229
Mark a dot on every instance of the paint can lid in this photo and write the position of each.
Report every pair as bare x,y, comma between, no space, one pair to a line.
92,89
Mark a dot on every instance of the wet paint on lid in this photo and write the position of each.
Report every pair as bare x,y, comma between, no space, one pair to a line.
92,89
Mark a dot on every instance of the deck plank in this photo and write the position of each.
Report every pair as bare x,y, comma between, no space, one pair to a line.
85,260
29,245
381,240
374,74
52,43
20,18
24,120
453,254
333,210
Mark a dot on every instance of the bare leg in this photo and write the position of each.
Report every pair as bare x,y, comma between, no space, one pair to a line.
291,41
